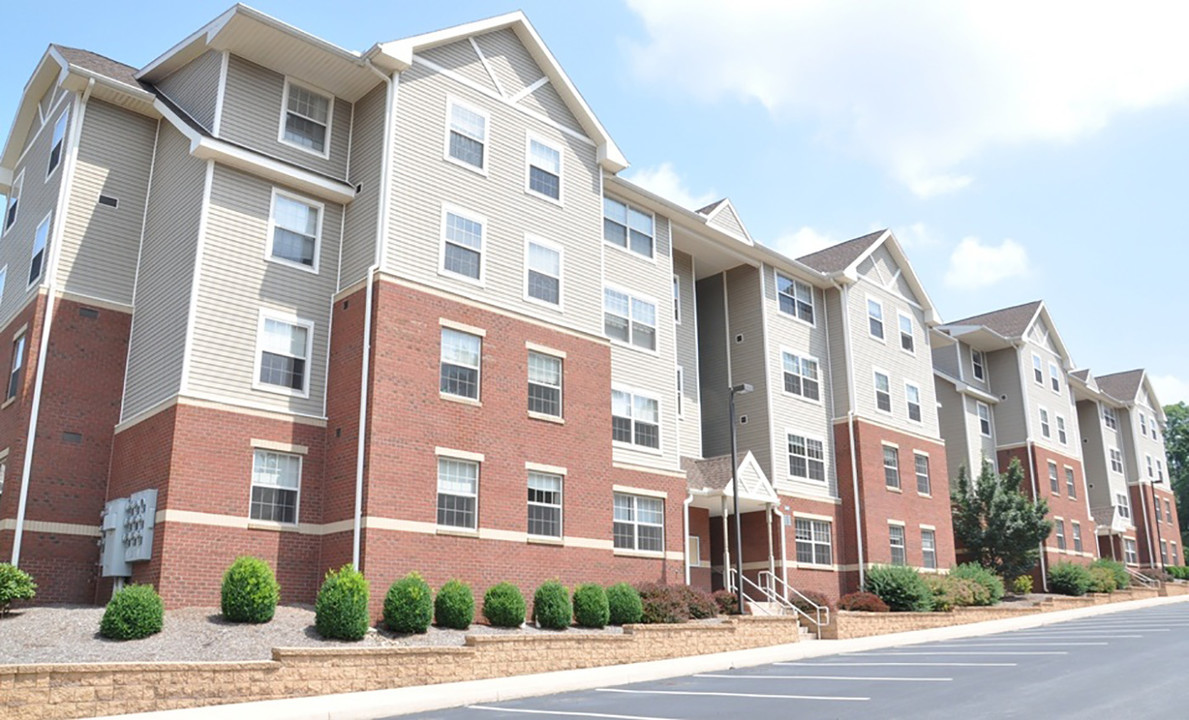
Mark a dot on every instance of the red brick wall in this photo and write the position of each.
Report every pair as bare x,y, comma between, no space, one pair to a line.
14,418
700,525
1149,523
828,582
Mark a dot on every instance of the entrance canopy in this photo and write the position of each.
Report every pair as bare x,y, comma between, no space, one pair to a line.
712,488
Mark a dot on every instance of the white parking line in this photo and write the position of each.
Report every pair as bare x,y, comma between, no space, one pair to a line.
730,694
1007,643
973,652
863,678
569,713
899,664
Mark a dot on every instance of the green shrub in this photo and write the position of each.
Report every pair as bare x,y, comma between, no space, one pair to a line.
1179,572
15,584
133,613
950,592
663,603
408,606
862,602
503,605
1118,569
984,577
250,591
591,609
1102,580
454,607
1022,585
901,587
728,603
624,604
340,612
699,603
552,608
1069,579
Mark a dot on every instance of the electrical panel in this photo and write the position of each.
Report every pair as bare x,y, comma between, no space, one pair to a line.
111,540
127,532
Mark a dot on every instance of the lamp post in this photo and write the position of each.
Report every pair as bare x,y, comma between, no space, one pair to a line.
741,389
1159,539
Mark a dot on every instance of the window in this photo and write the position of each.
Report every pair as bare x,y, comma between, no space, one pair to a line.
1076,528
56,145
1054,483
693,550
929,549
883,392
800,376
921,463
458,493
461,353
3,279
627,227
1130,556
544,384
807,458
1176,559
976,363
1044,424
16,373
1037,369
896,543
14,199
1167,511
676,300
543,268
875,318
1109,417
906,337
1149,461
296,229
1061,436
680,391
891,466
1159,471
629,319
466,136
276,483
544,504
462,244
796,298
1143,425
284,354
1123,504
639,523
544,169
635,419
1163,552
306,122
1059,528
1070,486
813,542
984,418
1116,460
912,395
1054,378
37,262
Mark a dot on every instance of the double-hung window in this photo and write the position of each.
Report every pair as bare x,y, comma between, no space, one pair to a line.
984,418
284,354
37,260
627,227
276,484
635,419
912,395
543,272
17,368
891,466
14,200
462,244
875,318
1130,556
1062,437
639,523
1054,378
896,544
676,300
1167,511
1163,552
544,384
796,297
921,463
801,376
1109,418
976,363
1076,527
807,458
929,549
1045,429
629,319
813,542
1060,530
57,144
1123,504
883,392
1038,369
461,354
1149,463
1071,488
306,123
1116,460
1159,471
544,504
1143,424
466,135
907,342
458,493
296,229
544,169
1054,482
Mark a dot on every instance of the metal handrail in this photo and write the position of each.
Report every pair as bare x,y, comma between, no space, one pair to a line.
773,580
1144,580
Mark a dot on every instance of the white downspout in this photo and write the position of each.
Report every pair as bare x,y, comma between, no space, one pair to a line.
1032,469
685,505
850,428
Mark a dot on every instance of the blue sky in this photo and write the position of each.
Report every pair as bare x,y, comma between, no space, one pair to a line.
1018,152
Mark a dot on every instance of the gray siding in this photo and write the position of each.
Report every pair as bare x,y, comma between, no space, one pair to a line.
836,330
367,142
1102,483
945,359
195,87
968,369
690,424
728,221
509,60
712,360
1144,444
460,57
1010,429
746,319
100,243
157,345
955,429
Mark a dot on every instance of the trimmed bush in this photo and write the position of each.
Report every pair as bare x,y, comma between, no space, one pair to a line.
981,575
552,608
135,612
699,603
812,596
950,592
340,612
503,605
250,591
624,604
728,603
1178,572
591,609
1102,580
408,606
901,587
1022,585
862,602
15,584
1069,579
663,604
454,607
1118,569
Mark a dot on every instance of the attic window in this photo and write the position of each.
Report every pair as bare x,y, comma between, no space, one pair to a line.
306,120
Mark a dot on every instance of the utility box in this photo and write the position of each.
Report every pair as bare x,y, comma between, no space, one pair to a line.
112,558
139,518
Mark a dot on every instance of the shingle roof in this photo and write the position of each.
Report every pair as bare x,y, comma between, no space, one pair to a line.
1081,374
1008,322
99,64
1123,386
839,257
712,473
711,207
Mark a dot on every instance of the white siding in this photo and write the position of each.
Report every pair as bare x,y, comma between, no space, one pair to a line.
195,87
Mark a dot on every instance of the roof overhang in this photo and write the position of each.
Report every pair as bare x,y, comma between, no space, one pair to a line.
1054,336
966,389
979,337
851,274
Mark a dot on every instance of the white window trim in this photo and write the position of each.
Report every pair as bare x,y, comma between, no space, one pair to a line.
458,456
875,391
660,425
561,503
928,529
1054,374
974,372
628,249
676,299
272,225
920,403
451,101
883,319
642,298
309,358
1112,425
1067,473
561,389
917,476
636,523
1062,428
50,172
459,328
899,486
1038,360
695,558
1054,478
325,155
825,458
450,209
41,274
530,239
3,280
903,539
1111,452
560,200
1045,419
18,183
803,356
812,299
813,543
900,332
979,404
1148,458
252,484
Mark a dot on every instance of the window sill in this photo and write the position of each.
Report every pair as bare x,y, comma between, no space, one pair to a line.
814,566
649,554
547,198
636,348
273,526
457,532
894,489
481,171
459,399
924,495
8,402
546,418
544,540
639,256
637,448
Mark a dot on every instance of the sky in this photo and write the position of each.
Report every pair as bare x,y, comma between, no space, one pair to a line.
1018,150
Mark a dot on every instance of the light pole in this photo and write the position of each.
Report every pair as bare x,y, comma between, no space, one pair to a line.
741,389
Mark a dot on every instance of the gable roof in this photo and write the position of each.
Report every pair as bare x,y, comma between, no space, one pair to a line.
723,215
838,258
1010,322
1122,385
98,64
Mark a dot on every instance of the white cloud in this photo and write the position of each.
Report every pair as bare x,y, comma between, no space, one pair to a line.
802,242
974,265
925,91
1170,388
666,182
916,235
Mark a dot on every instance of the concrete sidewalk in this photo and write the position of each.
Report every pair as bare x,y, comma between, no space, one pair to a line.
403,701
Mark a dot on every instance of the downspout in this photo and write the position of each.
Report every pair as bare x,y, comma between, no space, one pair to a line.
689,498
784,559
850,427
51,271
1032,470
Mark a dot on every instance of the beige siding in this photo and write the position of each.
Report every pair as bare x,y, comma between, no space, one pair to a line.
509,60
252,118
1144,444
690,424
746,332
100,243
195,87
728,221
834,319
547,102
165,276
956,430
460,57
367,142
1058,403
1004,369
237,282
712,360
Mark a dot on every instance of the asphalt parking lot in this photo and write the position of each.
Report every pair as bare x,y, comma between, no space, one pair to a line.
1124,665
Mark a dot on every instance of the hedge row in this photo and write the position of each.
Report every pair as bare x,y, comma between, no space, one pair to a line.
899,588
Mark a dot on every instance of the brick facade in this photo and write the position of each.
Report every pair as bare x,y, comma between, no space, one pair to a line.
1155,526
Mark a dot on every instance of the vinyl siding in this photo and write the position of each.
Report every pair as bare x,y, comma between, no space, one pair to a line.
836,330
460,57
690,424
195,87
509,60
968,369
252,118
547,102
100,243
945,359
237,282
31,136
728,221
1097,438
1010,429
157,343
367,142
744,298
1144,444
1057,403
956,429
712,360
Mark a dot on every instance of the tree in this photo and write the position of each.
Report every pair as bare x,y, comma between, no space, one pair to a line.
996,522
1176,446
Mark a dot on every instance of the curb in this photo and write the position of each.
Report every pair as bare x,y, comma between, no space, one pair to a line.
424,698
